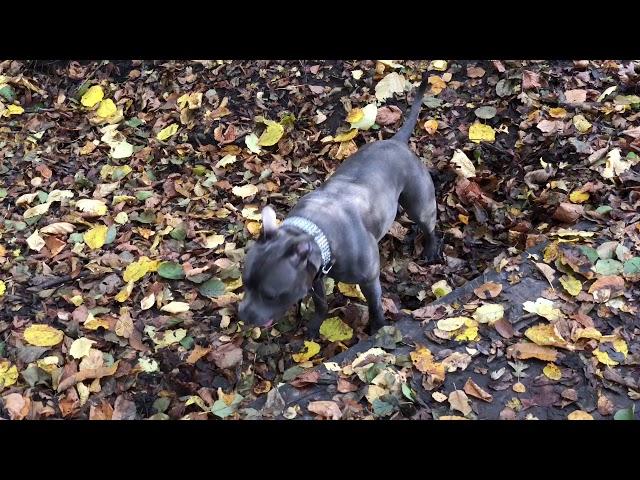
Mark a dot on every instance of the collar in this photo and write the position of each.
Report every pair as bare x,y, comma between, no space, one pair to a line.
310,228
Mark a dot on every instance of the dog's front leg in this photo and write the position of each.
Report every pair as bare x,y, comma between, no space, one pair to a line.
321,307
373,293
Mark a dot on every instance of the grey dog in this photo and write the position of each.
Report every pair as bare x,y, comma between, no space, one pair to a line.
335,231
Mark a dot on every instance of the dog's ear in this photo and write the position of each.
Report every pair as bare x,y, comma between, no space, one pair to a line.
301,252
269,226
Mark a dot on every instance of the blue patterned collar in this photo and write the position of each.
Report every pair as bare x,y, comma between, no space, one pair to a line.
319,237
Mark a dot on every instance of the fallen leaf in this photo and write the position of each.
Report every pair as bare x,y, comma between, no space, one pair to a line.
92,96
43,335
473,389
96,237
458,400
579,415
272,134
481,133
552,371
546,335
167,132
325,408
335,330
465,167
525,350
80,347
352,291
175,307
390,84
309,350
489,313
488,290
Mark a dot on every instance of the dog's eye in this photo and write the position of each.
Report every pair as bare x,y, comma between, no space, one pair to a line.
269,296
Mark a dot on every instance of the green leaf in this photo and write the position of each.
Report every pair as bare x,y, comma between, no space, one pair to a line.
625,413
187,342
178,233
381,408
291,373
3,193
631,267
603,209
171,270
111,234
485,112
431,102
608,267
222,410
133,122
143,195
212,288
8,93
407,392
590,253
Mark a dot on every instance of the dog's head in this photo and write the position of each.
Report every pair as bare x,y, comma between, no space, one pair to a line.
279,271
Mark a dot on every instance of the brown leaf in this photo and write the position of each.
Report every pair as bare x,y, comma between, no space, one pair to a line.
547,271
633,132
317,89
488,290
605,406
504,328
87,374
226,356
102,411
305,379
568,212
459,401
475,72
473,389
524,350
124,409
530,80
325,408
576,96
16,405
430,312
197,353
548,126
345,386
388,115
606,288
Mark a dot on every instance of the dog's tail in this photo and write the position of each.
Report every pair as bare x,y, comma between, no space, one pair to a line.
406,130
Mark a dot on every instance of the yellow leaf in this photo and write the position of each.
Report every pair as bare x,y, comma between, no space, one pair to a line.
124,294
115,172
136,270
245,190
481,133
272,134
335,330
439,65
8,374
121,218
352,291
437,84
572,285
345,137
489,313
552,371
588,332
544,308
451,324
175,307
166,338
431,126
469,332
422,359
92,96
48,364
95,323
519,388
213,241
13,110
557,112
578,196
355,115
106,108
167,132
35,241
76,300
43,335
545,335
96,236
579,415
231,285
309,350
441,288
80,347
91,206
254,227
3,288
581,124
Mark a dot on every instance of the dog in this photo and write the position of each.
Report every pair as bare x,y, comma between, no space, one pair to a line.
335,230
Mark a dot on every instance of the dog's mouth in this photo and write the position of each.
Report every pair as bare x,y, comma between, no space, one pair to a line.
268,323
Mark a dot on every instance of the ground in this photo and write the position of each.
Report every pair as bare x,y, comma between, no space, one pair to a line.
131,190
